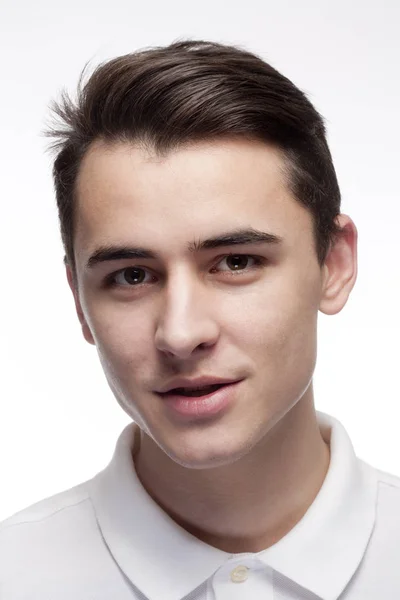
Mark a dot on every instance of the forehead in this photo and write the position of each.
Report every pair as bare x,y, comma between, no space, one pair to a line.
126,192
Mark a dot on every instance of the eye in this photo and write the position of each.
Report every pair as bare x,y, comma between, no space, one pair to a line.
237,264
240,262
129,277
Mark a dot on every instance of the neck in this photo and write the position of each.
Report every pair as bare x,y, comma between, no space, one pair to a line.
251,504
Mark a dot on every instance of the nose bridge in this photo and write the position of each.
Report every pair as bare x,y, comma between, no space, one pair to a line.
184,320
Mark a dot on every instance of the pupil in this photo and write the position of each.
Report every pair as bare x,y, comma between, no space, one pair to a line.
134,275
234,260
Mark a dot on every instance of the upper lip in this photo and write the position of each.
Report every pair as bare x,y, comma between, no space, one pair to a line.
193,383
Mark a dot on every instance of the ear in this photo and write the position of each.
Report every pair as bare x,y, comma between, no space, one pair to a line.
87,334
340,268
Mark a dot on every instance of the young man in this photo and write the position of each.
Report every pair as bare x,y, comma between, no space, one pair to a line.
200,216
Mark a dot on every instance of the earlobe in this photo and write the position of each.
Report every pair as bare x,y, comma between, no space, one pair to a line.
87,334
340,269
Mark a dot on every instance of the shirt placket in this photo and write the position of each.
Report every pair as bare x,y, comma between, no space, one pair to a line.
242,579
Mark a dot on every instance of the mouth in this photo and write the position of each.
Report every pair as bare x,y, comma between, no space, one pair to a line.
200,402
193,392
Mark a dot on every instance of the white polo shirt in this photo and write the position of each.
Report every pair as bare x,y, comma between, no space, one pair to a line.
106,539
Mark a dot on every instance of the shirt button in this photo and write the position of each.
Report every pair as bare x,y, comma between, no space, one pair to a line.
239,574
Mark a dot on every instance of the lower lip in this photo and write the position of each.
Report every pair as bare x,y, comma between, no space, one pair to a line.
201,406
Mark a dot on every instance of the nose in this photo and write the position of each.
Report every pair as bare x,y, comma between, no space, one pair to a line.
185,322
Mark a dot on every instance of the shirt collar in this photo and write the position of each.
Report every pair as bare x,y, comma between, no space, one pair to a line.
321,553
146,543
324,549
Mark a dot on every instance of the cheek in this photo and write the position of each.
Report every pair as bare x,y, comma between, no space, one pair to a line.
278,325
122,339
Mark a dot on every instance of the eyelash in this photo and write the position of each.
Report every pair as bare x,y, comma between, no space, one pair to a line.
259,262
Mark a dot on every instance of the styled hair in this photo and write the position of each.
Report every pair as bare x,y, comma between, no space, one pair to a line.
189,91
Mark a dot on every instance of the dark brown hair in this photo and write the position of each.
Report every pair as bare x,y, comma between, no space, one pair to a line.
191,91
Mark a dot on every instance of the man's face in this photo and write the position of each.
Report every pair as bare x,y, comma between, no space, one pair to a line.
191,313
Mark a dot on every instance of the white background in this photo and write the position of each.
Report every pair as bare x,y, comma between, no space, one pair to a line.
58,419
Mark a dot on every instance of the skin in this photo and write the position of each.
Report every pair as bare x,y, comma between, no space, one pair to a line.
241,480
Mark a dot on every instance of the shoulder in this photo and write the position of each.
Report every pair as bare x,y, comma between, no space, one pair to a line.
44,510
386,533
388,487
45,536
388,500
378,574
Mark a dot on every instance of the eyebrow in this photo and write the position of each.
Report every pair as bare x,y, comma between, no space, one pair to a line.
232,238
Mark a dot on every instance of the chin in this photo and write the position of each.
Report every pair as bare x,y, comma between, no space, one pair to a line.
206,451
205,462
